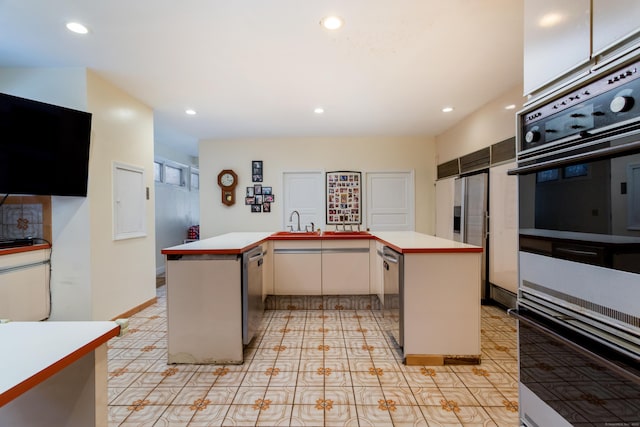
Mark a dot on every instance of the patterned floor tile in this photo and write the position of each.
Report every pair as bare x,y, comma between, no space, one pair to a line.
310,368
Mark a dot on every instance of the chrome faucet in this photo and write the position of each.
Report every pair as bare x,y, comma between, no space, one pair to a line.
291,219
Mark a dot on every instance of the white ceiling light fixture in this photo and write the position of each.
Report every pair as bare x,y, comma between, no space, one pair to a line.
510,107
318,110
190,112
447,109
332,22
550,20
77,28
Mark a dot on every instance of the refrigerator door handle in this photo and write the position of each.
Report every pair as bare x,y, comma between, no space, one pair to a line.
486,225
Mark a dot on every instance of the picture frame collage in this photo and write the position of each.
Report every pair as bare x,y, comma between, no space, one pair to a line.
344,197
258,196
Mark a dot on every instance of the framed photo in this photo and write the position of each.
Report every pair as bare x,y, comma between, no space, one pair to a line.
256,171
268,198
258,199
266,207
249,200
267,190
256,208
257,189
343,202
250,192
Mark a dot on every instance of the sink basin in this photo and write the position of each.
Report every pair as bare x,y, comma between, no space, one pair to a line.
295,234
346,233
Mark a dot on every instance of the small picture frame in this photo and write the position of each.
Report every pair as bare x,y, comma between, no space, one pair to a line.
266,207
250,192
267,190
256,208
257,189
249,200
258,199
257,171
268,198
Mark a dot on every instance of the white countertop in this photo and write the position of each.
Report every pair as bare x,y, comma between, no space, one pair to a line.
34,351
401,241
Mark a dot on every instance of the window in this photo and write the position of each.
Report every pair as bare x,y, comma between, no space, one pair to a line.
157,171
173,175
195,179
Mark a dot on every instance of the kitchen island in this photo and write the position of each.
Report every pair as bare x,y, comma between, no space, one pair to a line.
441,295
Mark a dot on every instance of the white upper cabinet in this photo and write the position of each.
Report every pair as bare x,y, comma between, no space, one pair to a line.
614,22
557,41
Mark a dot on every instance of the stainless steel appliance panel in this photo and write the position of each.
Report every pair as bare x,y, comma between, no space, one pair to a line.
252,303
393,304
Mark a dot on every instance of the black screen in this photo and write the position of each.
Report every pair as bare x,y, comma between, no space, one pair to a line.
44,148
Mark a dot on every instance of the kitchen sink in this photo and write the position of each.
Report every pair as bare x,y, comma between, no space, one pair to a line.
306,234
346,233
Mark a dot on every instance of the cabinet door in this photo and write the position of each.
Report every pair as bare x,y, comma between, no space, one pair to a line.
376,285
297,268
557,40
24,286
345,267
267,270
614,21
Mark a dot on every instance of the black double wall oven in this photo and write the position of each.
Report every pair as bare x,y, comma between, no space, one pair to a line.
579,259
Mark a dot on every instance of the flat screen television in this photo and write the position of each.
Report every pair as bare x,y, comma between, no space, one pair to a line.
44,148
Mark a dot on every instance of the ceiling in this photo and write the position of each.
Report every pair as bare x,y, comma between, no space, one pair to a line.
258,68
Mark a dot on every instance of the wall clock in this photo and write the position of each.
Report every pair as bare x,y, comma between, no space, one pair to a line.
227,180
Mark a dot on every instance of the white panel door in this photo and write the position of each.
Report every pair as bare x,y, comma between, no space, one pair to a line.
390,201
303,192
444,208
503,224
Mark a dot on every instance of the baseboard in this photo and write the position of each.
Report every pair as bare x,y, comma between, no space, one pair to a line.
502,296
441,359
137,309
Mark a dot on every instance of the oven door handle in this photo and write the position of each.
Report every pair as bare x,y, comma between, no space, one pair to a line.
582,157
519,314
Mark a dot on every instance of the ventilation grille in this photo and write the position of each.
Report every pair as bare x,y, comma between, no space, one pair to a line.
480,159
503,151
450,168
609,312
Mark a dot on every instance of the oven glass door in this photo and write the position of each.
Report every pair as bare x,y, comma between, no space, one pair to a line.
563,374
587,211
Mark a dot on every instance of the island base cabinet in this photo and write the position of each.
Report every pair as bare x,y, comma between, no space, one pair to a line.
204,310
442,308
345,267
73,397
297,268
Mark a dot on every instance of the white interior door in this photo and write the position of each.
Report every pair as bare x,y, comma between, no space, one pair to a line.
303,192
390,201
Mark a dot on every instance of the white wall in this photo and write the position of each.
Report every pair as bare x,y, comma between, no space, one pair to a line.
176,208
307,154
94,277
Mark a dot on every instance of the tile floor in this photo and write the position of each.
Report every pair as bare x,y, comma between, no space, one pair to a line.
311,368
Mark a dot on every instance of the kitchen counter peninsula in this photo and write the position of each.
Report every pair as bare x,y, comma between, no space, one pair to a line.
440,294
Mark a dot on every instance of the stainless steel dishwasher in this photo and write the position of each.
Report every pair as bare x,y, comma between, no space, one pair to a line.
393,304
252,304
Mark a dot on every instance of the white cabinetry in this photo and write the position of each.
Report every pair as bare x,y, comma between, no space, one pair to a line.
345,267
557,41
613,22
297,267
376,285
24,285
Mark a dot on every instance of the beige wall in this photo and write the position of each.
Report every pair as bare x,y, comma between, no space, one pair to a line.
489,124
123,271
94,277
307,154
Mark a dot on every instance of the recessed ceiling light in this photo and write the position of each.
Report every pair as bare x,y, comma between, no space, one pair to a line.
318,110
447,109
510,107
190,112
332,22
76,27
550,19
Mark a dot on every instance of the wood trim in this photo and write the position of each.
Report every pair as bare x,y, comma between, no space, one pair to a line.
137,309
53,369
440,360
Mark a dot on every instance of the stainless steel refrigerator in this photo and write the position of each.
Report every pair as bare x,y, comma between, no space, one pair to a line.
471,217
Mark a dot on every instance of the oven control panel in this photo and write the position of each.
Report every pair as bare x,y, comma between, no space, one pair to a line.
605,103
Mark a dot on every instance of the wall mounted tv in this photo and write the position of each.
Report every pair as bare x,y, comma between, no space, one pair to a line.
44,148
